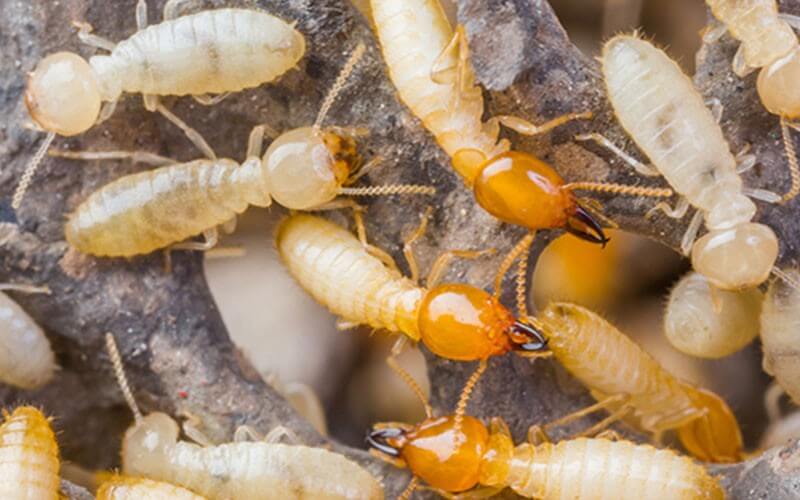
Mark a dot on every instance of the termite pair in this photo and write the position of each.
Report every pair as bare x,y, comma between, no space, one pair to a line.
303,169
459,454
429,65
210,52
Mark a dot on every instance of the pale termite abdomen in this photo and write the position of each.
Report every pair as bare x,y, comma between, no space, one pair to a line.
26,358
29,463
780,334
136,488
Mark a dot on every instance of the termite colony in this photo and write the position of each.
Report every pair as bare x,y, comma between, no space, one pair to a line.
727,301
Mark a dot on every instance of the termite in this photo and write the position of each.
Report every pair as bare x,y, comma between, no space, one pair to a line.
303,169
242,470
29,460
638,386
136,488
769,43
210,52
26,358
780,331
429,65
782,428
658,106
702,320
459,454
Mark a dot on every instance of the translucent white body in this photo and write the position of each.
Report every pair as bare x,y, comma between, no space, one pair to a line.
707,322
780,334
134,488
26,358
413,34
659,107
317,253
29,461
781,431
244,470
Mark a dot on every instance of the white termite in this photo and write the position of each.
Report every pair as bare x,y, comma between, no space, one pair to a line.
780,332
26,358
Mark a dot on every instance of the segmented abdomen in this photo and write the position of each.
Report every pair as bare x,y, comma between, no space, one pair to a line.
29,465
333,266
780,334
665,115
607,470
142,212
26,358
136,488
756,24
254,471
413,33
214,51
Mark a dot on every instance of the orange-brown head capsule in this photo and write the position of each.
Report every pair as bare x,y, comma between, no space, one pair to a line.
520,189
465,323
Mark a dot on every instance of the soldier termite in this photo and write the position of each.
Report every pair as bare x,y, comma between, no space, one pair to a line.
136,488
768,43
639,387
242,470
702,320
215,51
429,65
468,457
26,358
303,169
659,107
780,332
29,460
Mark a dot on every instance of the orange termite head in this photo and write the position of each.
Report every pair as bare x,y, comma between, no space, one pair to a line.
465,323
520,189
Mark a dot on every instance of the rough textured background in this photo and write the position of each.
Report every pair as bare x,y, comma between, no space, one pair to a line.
176,348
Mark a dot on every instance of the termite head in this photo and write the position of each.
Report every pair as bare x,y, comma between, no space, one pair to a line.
462,322
146,445
520,189
738,257
777,85
62,94
306,167
444,454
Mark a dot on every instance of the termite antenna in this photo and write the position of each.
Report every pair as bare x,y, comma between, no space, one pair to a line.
19,287
789,280
122,380
791,156
338,84
411,383
519,249
387,190
521,288
604,187
461,407
30,170
412,485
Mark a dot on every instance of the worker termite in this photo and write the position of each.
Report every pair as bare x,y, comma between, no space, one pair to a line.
702,320
429,65
661,110
136,488
466,456
780,332
29,460
303,169
586,345
768,43
26,358
242,470
215,51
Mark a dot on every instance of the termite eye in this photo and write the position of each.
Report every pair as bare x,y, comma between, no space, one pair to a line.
527,338
583,225
379,439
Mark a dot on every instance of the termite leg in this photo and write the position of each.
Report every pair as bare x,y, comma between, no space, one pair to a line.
280,433
106,111
740,67
772,401
793,21
691,232
681,207
408,248
151,103
445,258
439,73
519,250
23,288
134,156
537,435
745,160
609,434
643,168
85,36
525,127
791,157
364,169
762,195
618,414
376,252
191,427
608,402
255,142
211,238
712,34
229,226
717,109
342,324
677,419
210,100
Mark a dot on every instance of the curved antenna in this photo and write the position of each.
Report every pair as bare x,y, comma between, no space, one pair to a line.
412,384
338,84
30,170
122,380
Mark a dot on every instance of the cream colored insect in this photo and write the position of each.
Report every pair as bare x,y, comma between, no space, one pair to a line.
638,387
136,488
305,168
780,332
659,107
242,470
26,358
214,51
768,43
29,460
703,321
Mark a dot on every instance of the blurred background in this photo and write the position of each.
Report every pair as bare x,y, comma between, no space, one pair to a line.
290,339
